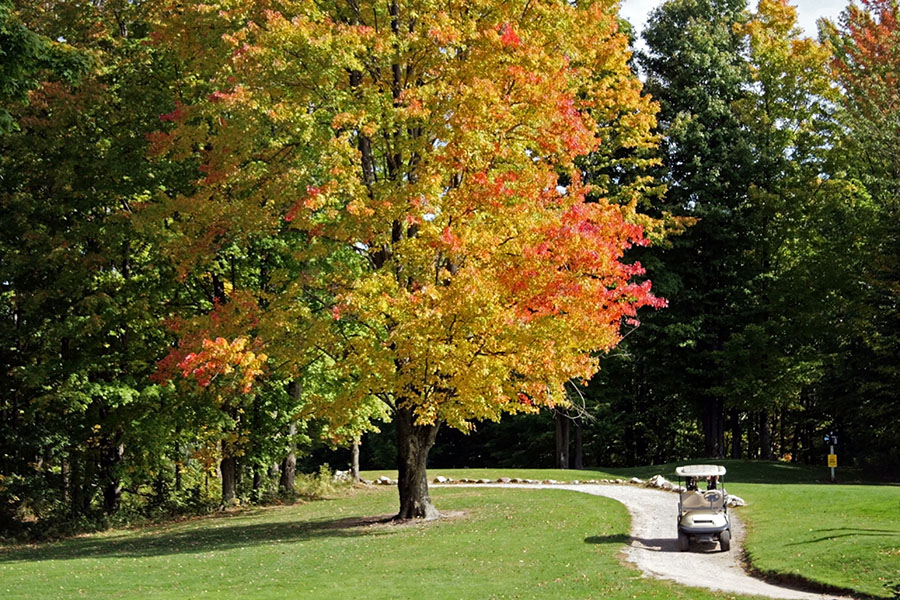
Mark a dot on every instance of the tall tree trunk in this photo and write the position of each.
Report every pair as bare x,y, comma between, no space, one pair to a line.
110,456
579,443
782,438
736,434
720,427
229,471
289,463
713,427
354,462
562,440
274,477
765,436
289,466
257,483
413,443
64,479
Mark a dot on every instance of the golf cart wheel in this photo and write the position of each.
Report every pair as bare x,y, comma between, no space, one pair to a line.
725,540
684,542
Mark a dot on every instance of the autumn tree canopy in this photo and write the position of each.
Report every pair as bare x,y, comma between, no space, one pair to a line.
420,156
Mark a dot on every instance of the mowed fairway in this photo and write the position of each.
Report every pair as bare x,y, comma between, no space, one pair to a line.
846,536
505,544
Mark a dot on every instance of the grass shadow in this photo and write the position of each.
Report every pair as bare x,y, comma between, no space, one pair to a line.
617,538
651,544
204,536
847,532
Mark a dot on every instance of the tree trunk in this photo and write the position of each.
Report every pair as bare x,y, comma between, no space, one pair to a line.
413,443
228,468
579,443
354,462
562,440
110,456
736,434
765,437
289,463
288,467
257,483
713,427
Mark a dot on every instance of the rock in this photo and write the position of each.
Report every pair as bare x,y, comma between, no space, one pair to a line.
618,481
504,480
736,501
441,479
385,480
576,482
485,481
550,482
660,482
341,476
516,480
636,480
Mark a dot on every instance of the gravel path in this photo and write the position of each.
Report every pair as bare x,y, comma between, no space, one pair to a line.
654,544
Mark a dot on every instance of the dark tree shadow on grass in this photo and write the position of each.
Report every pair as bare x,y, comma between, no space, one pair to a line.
205,535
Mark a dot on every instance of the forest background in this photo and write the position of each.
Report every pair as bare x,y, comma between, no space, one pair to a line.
763,170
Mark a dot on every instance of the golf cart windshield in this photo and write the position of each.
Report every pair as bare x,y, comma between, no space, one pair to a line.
700,471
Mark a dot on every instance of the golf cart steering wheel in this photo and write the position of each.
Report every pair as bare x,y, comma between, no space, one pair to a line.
711,496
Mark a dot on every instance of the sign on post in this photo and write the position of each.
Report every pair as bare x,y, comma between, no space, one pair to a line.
832,460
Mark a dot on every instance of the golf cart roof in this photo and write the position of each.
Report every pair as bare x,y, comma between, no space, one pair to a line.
700,471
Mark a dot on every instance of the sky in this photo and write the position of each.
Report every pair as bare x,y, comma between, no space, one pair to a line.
808,11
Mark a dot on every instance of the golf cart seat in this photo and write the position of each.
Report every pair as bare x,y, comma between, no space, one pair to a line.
698,500
693,500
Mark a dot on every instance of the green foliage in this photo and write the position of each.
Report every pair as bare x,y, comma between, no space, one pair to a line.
25,57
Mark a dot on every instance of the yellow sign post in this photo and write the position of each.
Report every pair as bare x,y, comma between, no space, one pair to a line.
832,460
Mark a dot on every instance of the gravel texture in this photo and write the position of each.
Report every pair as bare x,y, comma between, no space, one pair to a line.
654,544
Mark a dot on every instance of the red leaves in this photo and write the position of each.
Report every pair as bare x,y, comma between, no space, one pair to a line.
576,261
307,202
176,116
220,357
450,239
508,35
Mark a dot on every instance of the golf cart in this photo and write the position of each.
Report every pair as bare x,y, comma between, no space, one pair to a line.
703,513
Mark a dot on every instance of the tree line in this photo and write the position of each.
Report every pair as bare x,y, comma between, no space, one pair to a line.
234,232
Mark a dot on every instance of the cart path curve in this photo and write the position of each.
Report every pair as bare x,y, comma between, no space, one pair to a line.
654,545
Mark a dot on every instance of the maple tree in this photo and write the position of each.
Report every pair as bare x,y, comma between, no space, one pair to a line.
421,149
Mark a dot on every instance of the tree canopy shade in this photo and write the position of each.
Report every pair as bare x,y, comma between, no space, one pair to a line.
414,153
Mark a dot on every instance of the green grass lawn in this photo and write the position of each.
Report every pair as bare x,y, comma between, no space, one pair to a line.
507,544
846,536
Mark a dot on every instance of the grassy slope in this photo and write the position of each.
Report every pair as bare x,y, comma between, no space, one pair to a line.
509,544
